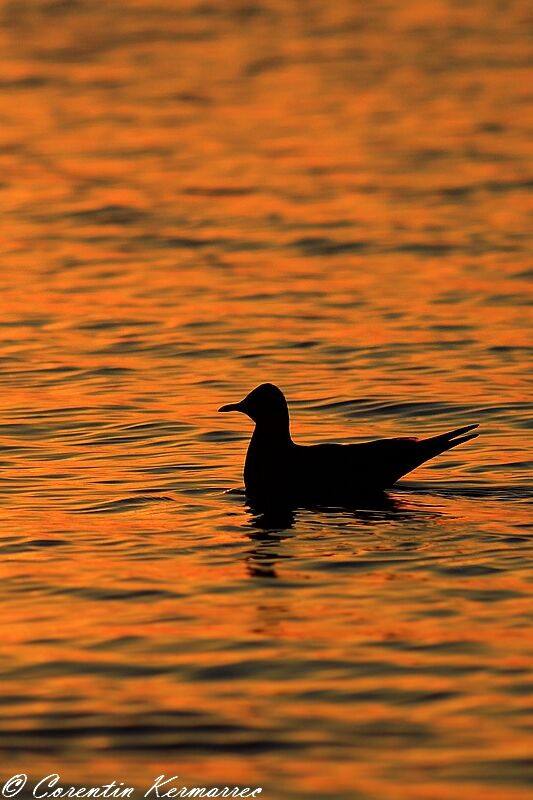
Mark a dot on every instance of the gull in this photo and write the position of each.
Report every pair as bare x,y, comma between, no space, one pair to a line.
277,469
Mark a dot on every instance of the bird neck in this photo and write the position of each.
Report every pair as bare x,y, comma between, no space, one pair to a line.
273,431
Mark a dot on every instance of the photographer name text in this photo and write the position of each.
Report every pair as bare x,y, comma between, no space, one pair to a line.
51,786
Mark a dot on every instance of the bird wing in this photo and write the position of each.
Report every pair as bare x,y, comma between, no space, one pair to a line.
386,460
376,464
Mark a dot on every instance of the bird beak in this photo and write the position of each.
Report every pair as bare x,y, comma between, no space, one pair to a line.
231,407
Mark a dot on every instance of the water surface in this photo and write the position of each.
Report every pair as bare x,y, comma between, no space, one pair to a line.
200,197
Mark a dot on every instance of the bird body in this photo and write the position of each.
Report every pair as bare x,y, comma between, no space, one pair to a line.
277,469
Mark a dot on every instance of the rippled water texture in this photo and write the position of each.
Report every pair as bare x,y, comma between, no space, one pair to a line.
198,197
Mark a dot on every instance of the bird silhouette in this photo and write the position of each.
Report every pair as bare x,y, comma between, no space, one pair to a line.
277,470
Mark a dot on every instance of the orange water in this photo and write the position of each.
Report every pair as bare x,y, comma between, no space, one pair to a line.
198,197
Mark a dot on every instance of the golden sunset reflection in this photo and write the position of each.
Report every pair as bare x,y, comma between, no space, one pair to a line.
198,198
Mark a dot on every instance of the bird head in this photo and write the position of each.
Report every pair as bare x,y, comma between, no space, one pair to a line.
265,402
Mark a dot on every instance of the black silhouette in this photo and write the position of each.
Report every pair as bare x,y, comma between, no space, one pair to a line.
278,471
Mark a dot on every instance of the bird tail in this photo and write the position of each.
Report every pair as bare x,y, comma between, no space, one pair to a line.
445,441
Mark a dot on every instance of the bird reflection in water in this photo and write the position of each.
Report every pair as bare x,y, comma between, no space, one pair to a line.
268,525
